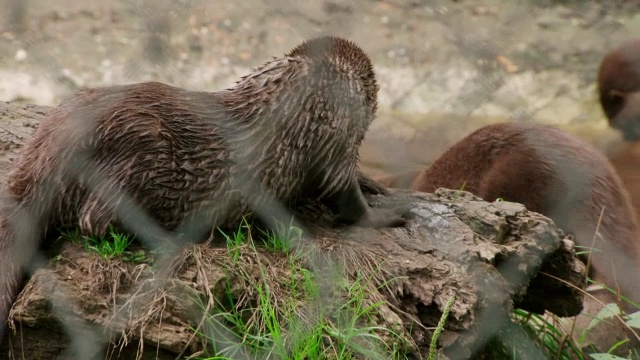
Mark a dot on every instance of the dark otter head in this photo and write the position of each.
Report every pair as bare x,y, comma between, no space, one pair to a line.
619,88
331,53
300,119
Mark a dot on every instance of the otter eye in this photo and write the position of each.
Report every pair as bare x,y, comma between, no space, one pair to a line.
616,96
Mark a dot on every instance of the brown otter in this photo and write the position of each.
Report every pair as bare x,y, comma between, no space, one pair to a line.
619,88
553,173
288,131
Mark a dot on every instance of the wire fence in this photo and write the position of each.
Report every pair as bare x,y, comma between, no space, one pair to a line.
525,60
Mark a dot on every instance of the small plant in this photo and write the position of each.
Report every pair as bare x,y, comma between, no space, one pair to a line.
71,235
279,240
302,283
458,193
436,334
110,247
136,257
292,318
237,239
565,346
115,244
283,238
549,334
582,250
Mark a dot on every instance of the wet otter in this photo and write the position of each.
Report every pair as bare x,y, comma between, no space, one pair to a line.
553,173
290,130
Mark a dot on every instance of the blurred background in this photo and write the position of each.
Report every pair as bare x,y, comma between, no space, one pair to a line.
445,67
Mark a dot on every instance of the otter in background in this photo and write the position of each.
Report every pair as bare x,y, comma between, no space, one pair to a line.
553,173
619,90
566,179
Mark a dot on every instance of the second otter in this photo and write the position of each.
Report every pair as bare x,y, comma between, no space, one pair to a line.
619,88
555,174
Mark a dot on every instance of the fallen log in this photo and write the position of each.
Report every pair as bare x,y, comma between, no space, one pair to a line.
487,258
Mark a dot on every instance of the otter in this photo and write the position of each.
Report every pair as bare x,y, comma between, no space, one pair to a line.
288,131
553,173
619,88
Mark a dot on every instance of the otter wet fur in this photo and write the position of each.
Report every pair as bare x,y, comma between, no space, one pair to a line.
553,173
288,131
619,88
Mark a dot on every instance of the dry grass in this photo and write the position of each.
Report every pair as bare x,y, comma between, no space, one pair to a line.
176,300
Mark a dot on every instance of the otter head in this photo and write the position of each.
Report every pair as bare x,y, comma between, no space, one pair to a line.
331,56
619,88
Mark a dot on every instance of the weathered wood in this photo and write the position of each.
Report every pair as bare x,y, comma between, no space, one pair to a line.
490,256
17,123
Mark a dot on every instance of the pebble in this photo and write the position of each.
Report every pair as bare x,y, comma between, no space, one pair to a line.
21,55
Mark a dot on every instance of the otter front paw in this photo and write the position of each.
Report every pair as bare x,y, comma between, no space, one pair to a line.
385,217
368,185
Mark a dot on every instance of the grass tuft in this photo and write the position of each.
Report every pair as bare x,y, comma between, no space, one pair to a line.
295,316
114,245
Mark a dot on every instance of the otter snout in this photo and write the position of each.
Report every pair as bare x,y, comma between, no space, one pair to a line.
627,119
